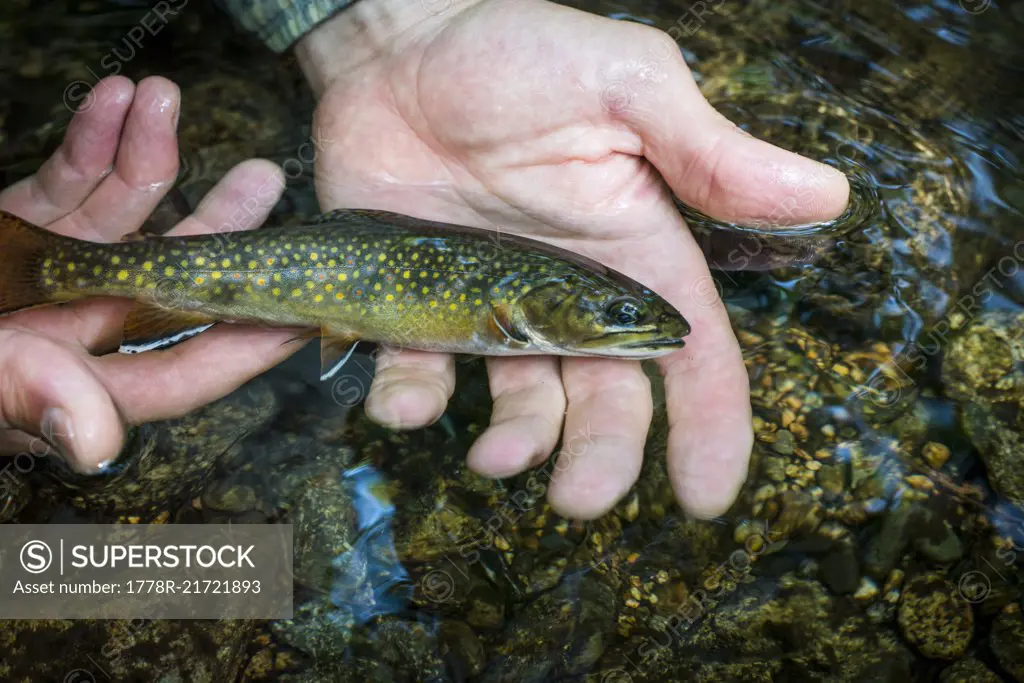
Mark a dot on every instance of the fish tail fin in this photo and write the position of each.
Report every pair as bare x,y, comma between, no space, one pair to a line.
23,247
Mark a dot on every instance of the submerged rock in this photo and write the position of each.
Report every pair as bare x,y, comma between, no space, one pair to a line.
935,618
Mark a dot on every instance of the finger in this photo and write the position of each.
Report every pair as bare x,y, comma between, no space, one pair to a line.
144,170
50,392
609,413
242,200
529,405
84,158
165,384
714,166
94,324
410,389
708,397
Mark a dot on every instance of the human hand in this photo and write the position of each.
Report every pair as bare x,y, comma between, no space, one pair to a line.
61,378
511,114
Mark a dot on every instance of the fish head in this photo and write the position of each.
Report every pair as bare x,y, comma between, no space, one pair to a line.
588,315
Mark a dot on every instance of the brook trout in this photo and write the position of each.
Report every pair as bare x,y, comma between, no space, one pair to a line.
350,275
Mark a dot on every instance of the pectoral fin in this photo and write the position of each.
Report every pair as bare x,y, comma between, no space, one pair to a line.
335,350
504,328
149,327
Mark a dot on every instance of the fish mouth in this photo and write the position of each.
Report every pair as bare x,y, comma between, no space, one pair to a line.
639,349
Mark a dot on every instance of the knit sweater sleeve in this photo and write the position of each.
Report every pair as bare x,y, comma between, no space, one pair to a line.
280,23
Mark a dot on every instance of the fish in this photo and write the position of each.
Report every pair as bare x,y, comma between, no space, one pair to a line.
350,276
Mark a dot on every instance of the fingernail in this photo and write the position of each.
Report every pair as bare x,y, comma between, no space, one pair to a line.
58,431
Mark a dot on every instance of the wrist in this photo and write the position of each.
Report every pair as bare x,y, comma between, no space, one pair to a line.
369,30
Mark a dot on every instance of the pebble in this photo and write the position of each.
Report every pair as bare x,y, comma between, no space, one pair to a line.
785,442
935,454
867,590
944,547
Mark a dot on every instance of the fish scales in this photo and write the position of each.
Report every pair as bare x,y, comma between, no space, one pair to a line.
371,275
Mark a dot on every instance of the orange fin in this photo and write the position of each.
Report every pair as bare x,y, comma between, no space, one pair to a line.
150,327
23,247
335,350
504,328
134,237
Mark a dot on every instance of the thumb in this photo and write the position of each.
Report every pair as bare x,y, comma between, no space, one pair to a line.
49,392
720,170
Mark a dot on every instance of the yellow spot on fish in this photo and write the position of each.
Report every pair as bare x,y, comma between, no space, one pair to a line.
288,246
147,266
296,292
270,260
161,258
433,303
328,287
462,297
183,263
313,256
200,260
339,296
376,287
276,291
216,275
423,273
389,297
382,257
310,285
47,263
399,288
453,307
168,271
97,270
71,267
122,275
261,281
447,294
277,277
355,274
139,280
226,263
115,260
415,256
342,277
252,265
477,302
199,279
318,298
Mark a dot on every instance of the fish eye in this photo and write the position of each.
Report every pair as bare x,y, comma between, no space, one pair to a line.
625,310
